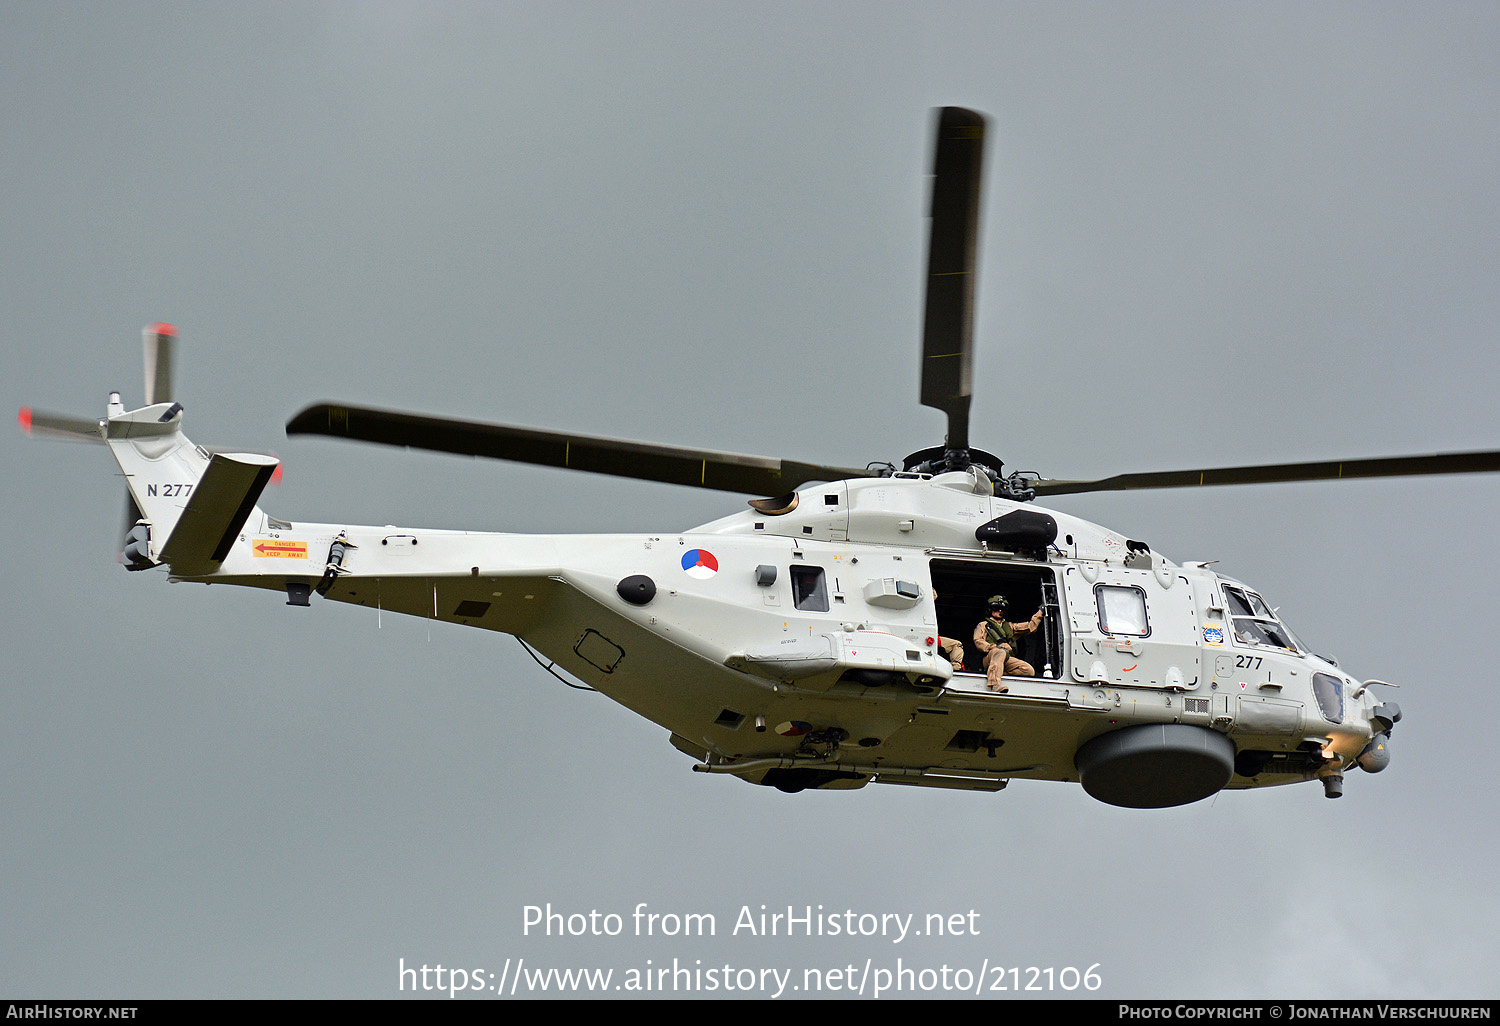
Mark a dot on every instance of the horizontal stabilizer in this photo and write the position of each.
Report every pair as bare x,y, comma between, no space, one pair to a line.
157,421
216,511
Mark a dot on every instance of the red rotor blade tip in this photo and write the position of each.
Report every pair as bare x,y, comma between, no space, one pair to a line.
25,418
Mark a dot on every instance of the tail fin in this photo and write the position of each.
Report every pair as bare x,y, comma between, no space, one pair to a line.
184,505
192,503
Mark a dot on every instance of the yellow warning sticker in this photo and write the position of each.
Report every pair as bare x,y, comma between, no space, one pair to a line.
279,549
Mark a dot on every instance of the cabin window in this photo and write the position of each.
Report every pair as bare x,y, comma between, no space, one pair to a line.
1122,610
809,591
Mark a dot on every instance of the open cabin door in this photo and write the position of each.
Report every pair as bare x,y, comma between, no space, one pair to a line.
962,589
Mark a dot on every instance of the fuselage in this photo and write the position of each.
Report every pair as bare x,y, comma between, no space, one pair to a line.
805,648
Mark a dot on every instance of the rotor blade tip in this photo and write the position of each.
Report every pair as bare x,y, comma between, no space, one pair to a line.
162,328
304,421
24,417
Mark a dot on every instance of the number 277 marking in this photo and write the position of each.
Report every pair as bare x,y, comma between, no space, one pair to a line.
169,491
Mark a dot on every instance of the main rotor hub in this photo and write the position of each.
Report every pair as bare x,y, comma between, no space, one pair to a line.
940,459
943,459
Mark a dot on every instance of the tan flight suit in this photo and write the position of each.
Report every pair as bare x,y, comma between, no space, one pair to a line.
953,650
996,638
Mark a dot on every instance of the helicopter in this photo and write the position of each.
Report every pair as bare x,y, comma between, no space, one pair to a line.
827,636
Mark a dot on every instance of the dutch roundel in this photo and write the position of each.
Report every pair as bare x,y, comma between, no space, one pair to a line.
700,563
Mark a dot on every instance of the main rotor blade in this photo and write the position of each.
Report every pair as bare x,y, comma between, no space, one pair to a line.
952,258
729,472
1388,466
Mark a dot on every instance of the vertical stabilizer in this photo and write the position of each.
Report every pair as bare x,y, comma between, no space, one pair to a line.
191,503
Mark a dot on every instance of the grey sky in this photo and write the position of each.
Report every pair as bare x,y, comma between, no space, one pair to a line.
1213,235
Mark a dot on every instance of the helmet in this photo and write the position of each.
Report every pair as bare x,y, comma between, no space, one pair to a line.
998,602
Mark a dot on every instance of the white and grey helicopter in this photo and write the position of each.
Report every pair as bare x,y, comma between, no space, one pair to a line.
800,643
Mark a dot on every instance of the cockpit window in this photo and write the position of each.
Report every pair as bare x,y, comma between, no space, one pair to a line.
1330,694
1254,622
1239,605
1261,632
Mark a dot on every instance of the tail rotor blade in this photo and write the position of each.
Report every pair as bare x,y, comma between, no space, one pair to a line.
41,423
159,342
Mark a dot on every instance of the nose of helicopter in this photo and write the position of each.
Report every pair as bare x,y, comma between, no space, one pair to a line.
1376,755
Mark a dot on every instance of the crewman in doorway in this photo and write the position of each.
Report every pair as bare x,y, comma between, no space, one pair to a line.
953,650
996,638
950,647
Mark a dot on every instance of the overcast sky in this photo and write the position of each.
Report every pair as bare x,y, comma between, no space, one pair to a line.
1214,234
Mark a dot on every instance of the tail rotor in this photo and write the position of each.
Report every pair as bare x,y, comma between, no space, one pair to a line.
159,342
158,348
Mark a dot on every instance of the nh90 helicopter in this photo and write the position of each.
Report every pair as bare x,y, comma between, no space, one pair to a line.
801,643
